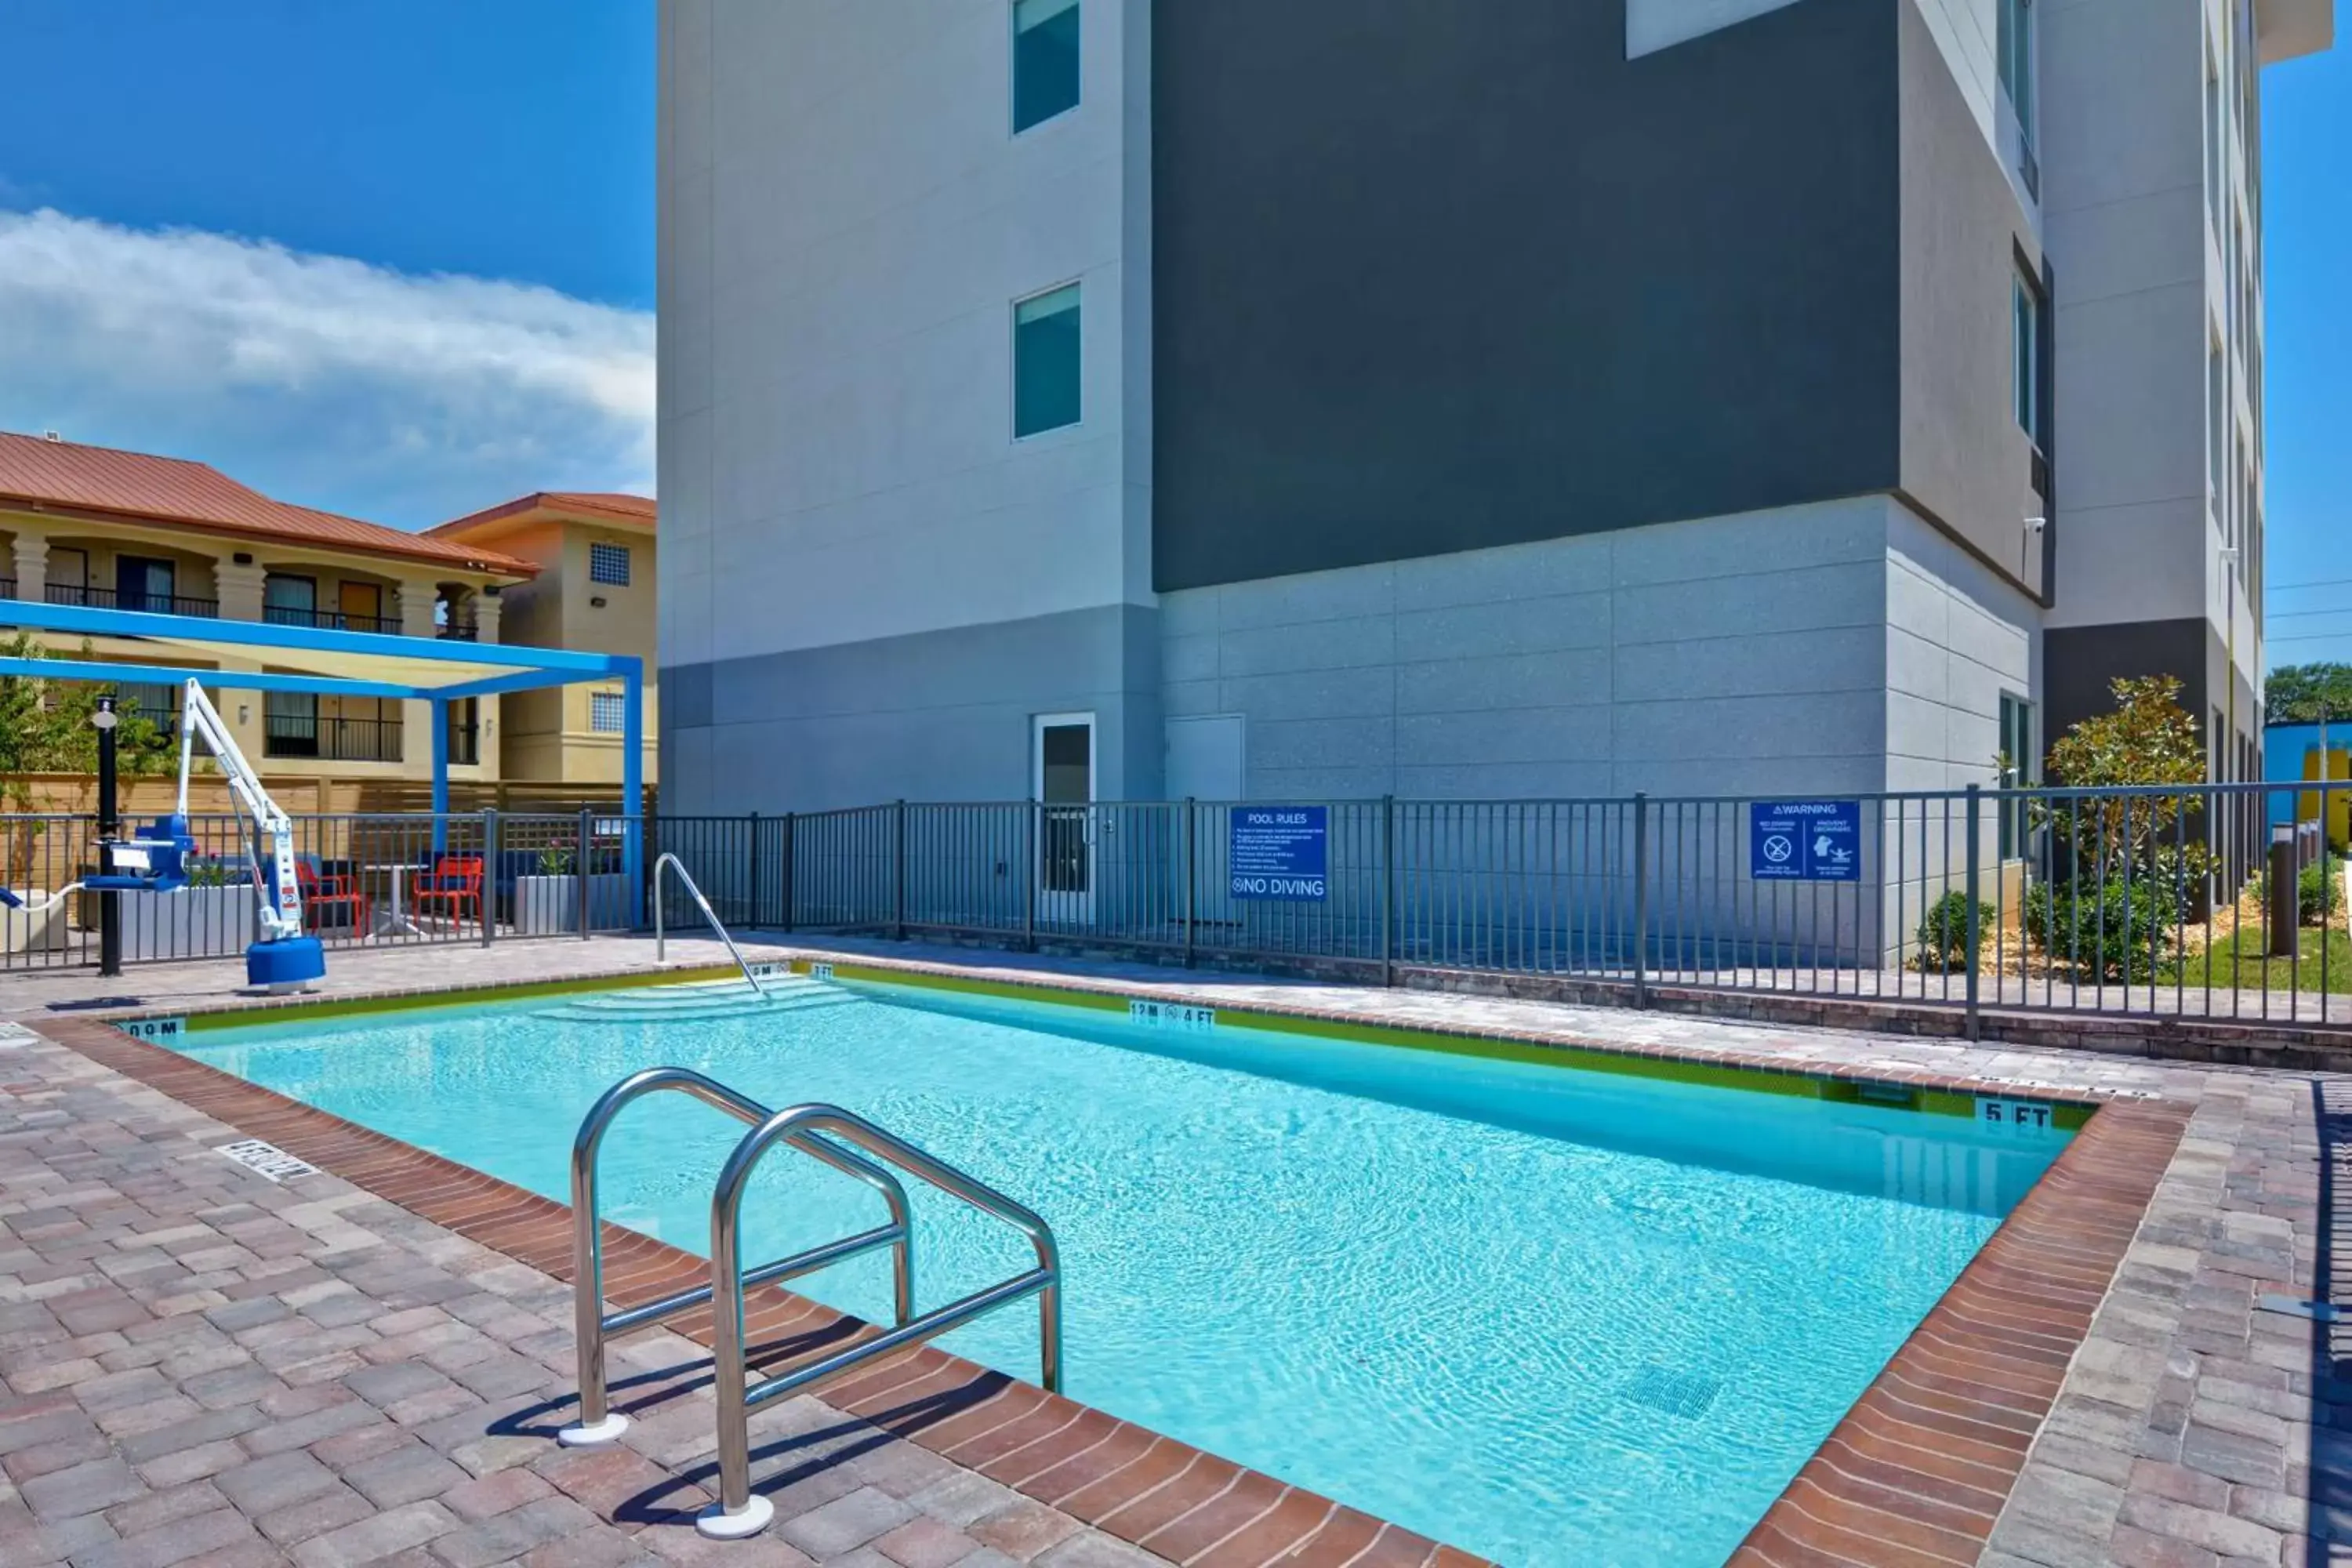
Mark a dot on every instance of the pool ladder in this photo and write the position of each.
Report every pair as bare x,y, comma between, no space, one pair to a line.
661,931
819,1131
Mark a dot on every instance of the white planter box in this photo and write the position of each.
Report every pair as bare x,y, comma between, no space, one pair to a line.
544,905
34,929
194,923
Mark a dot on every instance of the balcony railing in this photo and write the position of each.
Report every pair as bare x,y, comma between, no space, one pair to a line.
456,632
332,739
464,744
149,604
8,588
331,620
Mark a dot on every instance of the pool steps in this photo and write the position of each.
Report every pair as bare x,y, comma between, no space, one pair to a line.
702,1000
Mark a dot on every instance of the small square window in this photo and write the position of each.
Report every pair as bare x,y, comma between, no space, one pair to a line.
2025,361
609,563
1044,60
607,713
1045,361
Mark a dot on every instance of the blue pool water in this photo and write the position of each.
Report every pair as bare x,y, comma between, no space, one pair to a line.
1555,1317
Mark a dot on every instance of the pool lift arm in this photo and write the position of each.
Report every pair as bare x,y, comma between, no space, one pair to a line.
284,959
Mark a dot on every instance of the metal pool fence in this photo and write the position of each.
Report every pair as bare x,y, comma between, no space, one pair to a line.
367,880
2146,901
2123,901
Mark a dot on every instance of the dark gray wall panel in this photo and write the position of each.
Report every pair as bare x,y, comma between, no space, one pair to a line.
2081,662
1432,278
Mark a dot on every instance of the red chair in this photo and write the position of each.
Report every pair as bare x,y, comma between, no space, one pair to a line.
321,893
455,880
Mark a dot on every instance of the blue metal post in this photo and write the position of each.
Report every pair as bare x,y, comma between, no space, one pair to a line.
633,786
440,711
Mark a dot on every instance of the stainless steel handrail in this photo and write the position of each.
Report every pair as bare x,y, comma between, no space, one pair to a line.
592,1325
738,1512
661,935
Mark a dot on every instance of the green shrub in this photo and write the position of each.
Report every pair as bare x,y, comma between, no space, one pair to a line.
2319,890
1943,934
2110,930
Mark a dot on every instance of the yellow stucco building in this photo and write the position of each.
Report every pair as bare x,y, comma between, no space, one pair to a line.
110,529
591,589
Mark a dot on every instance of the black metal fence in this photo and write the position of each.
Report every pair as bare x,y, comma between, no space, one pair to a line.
2134,900
2160,900
366,880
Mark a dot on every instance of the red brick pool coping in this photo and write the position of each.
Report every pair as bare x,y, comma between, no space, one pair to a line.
1916,1473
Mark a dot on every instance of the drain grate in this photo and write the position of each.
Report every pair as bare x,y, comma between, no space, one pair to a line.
1687,1394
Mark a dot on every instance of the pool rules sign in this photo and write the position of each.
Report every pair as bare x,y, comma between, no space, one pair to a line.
1804,840
1280,852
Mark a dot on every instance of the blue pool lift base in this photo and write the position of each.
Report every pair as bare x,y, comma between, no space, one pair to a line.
286,964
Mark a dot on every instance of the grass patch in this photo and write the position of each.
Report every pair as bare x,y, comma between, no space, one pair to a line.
2238,963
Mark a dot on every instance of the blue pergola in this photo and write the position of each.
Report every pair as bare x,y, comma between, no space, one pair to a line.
438,671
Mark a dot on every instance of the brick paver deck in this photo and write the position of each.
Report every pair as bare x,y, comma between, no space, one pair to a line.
198,1365
202,1366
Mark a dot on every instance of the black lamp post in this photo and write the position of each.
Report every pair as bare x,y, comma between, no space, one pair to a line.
109,904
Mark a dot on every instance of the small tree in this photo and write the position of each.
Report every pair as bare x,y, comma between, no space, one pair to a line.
2129,862
2308,693
45,728
2150,739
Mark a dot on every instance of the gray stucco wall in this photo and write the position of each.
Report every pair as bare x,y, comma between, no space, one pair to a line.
1965,461
942,715
1431,279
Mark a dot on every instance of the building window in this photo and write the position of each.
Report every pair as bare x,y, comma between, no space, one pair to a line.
2015,45
289,601
290,724
609,563
2025,359
463,719
607,713
1045,361
2216,406
2212,145
2019,769
145,583
157,703
1044,60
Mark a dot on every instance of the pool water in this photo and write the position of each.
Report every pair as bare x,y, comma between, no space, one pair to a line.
1552,1316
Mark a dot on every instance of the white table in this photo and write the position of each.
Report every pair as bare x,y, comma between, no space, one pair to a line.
394,923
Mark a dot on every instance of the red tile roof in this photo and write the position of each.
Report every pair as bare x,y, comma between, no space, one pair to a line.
38,474
617,505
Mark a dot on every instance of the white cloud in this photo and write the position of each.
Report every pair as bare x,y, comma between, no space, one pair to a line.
401,398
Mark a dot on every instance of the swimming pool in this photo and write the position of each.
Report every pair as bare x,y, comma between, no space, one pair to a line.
1548,1315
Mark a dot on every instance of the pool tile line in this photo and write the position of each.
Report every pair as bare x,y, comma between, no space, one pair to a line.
941,1402
1398,1031
1421,1034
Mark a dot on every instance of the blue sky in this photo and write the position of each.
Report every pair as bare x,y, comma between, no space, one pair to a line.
393,155
2307,261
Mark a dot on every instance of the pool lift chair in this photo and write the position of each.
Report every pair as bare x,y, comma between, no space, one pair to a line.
284,959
